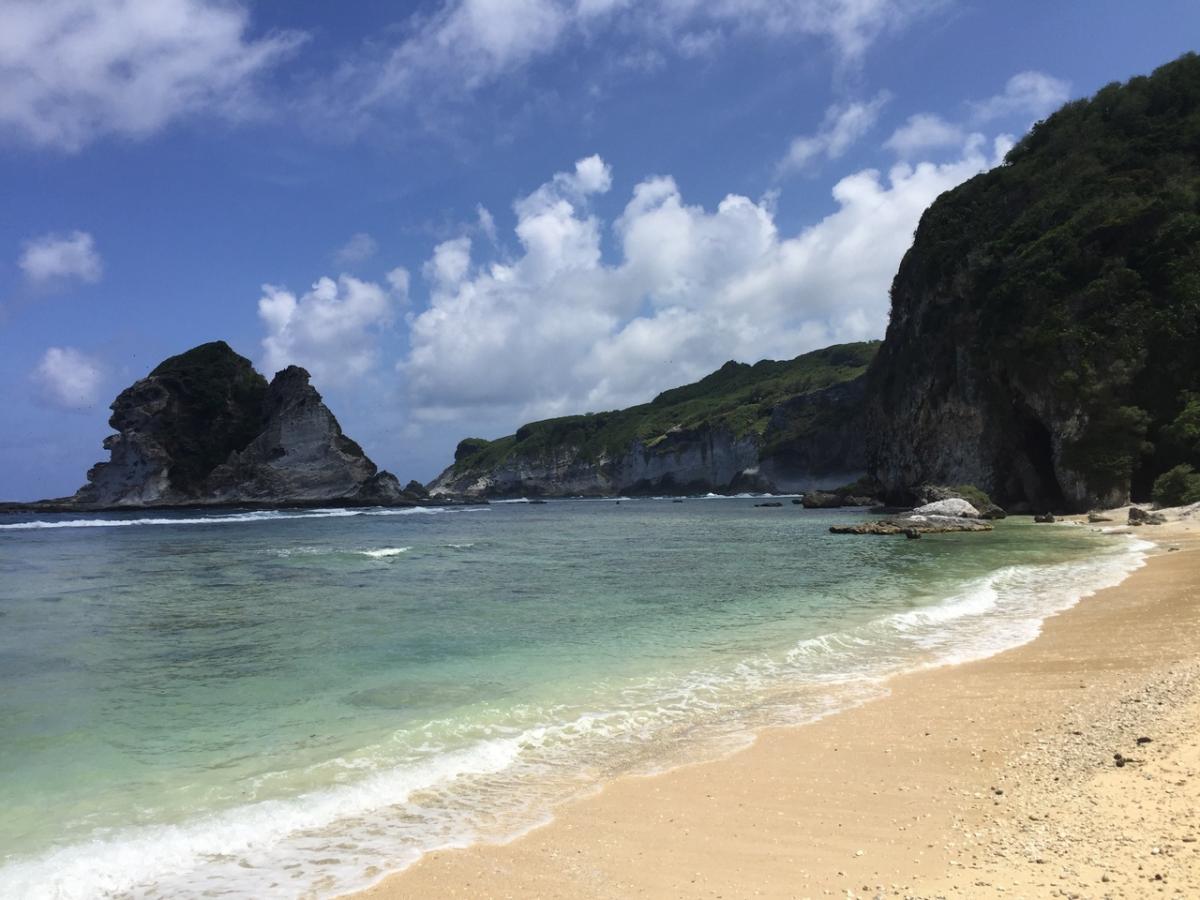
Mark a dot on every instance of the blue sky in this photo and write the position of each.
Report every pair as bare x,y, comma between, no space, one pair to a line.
465,214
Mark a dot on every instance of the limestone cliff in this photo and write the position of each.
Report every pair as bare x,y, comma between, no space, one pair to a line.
1044,324
774,425
205,428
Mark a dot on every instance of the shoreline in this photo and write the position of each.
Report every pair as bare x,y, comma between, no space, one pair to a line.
866,800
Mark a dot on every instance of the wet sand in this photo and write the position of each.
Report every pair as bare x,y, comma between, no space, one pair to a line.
991,778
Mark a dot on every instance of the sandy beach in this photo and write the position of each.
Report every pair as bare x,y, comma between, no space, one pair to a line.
991,778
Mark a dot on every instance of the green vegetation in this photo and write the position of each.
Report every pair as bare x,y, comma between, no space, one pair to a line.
1081,258
737,397
1178,487
216,408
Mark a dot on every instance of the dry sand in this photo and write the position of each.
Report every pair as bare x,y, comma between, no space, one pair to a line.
992,778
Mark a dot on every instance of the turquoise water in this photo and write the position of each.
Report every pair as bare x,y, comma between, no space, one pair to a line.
295,703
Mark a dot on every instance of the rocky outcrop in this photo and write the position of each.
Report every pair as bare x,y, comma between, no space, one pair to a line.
817,439
793,425
913,526
953,507
684,462
1043,330
204,428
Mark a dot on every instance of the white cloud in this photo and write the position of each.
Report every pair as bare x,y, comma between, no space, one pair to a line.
75,70
1028,94
57,258
333,330
398,280
558,329
359,248
923,132
467,44
842,127
68,379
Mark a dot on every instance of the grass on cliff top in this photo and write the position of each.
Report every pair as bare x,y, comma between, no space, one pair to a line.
737,398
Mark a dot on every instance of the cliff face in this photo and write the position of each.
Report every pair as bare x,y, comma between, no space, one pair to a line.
205,428
695,461
775,425
1044,325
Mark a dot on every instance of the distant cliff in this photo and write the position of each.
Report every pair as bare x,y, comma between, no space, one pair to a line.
1044,341
205,428
786,425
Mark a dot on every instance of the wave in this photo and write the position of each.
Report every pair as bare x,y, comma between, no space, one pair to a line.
384,552
237,518
517,763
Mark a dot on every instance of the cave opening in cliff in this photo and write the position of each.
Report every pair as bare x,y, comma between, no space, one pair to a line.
1035,466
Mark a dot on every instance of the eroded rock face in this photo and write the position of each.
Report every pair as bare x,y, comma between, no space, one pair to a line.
205,428
701,460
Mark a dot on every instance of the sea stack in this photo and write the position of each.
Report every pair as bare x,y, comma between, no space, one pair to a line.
204,428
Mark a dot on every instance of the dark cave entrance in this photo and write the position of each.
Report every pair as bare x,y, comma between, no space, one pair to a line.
1031,467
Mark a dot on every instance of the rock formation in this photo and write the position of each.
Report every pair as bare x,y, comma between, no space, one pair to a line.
775,425
1043,331
204,428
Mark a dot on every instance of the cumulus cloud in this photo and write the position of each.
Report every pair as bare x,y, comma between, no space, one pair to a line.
923,132
68,379
75,70
57,258
1028,94
559,329
844,125
359,248
333,330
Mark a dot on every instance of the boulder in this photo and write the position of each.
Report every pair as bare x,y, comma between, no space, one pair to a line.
1045,519
1139,516
949,507
821,500
1096,518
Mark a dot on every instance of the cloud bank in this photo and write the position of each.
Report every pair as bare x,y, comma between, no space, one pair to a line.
559,328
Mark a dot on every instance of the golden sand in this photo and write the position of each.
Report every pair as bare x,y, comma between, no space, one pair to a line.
992,778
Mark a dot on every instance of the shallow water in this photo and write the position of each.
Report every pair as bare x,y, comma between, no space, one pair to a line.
298,702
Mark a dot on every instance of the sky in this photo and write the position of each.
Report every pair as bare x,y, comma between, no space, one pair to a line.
461,215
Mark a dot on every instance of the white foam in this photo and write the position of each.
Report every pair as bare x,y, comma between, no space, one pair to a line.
385,552
138,860
268,515
333,835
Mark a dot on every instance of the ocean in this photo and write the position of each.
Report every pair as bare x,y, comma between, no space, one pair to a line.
296,703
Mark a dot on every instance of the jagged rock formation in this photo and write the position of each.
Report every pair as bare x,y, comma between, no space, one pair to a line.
204,428
773,425
1044,325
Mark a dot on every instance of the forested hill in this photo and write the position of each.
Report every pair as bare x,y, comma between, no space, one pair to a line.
1044,341
754,425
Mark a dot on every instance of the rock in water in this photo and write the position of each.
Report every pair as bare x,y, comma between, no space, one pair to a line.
948,507
300,456
205,428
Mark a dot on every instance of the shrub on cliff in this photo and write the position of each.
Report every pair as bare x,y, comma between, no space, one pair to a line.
1178,487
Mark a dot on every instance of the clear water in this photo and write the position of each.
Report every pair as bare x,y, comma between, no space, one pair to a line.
295,703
